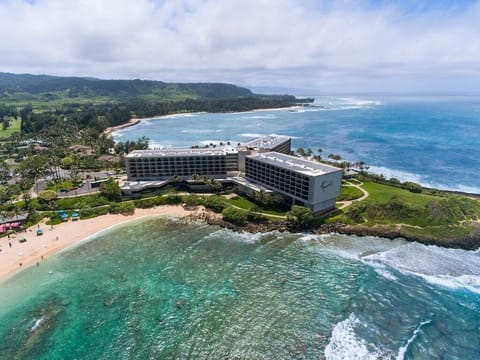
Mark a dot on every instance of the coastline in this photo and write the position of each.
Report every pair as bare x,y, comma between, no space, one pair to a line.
131,122
136,121
60,237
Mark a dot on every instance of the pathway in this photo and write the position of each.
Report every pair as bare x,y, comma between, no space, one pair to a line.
347,203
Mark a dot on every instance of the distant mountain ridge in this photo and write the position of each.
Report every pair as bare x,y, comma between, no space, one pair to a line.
47,87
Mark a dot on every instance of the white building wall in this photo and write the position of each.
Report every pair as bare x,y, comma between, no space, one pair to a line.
325,186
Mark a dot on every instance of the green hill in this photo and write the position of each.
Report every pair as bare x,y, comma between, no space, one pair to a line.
46,88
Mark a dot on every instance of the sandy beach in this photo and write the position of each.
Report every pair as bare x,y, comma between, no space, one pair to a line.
131,122
55,238
135,121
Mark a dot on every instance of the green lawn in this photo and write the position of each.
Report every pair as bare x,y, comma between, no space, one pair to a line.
380,193
14,127
349,193
246,204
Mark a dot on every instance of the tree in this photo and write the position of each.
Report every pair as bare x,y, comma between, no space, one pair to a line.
301,151
412,187
335,157
300,216
111,190
47,197
215,202
5,123
234,215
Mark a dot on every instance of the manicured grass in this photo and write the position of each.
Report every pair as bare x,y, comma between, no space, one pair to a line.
380,193
354,181
246,204
349,193
389,205
14,127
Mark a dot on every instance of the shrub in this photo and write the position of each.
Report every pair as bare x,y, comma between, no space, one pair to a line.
124,208
256,217
93,212
145,203
192,200
234,215
215,203
111,190
355,211
300,216
47,196
412,187
173,199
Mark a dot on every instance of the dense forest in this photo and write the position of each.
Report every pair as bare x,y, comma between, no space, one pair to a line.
42,101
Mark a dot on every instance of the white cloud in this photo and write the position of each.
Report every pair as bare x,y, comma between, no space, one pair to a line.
344,46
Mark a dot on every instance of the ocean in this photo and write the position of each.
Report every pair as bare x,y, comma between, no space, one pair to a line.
165,288
434,141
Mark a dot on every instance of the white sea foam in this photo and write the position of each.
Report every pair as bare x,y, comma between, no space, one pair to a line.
37,323
344,103
198,131
399,174
266,116
174,116
345,345
350,246
467,189
403,350
252,135
408,176
158,146
234,236
451,268
386,274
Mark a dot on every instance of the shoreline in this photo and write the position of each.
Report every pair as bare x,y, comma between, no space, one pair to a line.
61,237
64,236
136,121
131,122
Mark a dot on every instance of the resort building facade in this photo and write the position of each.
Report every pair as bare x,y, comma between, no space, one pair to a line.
306,182
263,163
145,165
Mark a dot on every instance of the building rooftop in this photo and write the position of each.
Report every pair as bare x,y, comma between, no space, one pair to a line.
267,142
181,152
293,163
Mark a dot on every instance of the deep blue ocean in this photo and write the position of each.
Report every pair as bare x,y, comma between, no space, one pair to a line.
432,141
171,289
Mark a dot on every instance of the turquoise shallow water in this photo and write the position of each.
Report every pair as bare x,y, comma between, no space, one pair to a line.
433,141
164,289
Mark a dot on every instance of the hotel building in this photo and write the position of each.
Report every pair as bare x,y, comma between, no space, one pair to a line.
269,143
306,182
145,165
260,164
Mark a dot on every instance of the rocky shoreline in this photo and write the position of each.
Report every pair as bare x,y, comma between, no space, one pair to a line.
468,242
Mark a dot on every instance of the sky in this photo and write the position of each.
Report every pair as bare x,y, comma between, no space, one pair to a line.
342,46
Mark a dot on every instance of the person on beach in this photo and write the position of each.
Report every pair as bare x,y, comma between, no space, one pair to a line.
9,244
